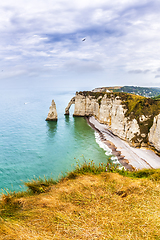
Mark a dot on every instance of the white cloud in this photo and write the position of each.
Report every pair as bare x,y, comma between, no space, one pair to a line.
121,36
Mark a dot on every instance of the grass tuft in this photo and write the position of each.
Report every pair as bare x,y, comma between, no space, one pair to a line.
92,168
39,185
91,202
152,174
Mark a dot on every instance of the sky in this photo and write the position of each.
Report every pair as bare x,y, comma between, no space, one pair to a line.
41,43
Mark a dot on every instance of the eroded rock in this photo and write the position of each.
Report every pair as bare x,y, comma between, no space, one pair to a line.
111,109
154,133
52,115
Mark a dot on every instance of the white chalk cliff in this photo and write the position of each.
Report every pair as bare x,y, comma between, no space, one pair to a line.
111,110
52,115
154,134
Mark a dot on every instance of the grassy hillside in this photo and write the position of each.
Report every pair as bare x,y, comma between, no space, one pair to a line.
89,203
141,91
157,97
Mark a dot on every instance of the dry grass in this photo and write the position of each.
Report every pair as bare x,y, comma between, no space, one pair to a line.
105,206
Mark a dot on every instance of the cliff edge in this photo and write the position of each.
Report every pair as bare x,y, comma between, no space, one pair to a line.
133,118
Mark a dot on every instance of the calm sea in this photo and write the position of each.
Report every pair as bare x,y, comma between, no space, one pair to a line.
31,147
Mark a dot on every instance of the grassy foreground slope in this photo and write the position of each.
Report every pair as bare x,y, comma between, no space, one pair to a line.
86,204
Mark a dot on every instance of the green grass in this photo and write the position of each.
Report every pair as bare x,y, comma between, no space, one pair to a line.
91,168
10,203
152,174
156,97
40,185
91,202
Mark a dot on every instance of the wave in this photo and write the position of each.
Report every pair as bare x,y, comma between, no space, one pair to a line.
107,150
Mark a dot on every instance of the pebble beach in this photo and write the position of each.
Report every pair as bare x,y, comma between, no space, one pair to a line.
129,157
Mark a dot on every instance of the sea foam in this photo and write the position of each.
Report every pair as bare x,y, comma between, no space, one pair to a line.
107,150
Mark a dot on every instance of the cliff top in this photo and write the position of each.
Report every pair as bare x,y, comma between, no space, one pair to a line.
85,206
142,91
136,105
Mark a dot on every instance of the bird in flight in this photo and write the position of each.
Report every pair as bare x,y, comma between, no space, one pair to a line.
84,39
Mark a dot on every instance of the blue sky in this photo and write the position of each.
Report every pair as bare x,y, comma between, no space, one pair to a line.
41,41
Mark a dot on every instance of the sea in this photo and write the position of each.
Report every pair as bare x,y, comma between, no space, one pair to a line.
31,147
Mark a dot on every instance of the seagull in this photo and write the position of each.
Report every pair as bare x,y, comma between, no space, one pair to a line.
84,39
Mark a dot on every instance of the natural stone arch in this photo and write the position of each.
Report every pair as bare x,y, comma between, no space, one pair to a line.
72,101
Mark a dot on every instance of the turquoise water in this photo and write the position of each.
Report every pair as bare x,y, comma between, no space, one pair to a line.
31,147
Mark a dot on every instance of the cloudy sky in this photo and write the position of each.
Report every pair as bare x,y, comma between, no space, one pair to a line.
41,41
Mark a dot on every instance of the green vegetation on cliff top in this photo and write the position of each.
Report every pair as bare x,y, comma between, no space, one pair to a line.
142,91
88,203
137,107
157,97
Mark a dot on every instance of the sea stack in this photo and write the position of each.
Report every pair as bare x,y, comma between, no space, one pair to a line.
52,115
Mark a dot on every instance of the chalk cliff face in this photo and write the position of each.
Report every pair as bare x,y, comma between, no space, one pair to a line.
154,134
111,109
85,106
52,115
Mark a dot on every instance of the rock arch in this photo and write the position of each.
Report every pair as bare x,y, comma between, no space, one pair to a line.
72,101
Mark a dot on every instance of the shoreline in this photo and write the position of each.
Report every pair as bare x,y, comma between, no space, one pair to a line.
129,157
123,162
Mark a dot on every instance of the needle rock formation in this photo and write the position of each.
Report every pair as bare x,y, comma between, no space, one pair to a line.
52,115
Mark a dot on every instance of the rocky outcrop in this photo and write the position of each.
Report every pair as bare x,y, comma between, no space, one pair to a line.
128,116
72,101
112,112
154,134
85,106
108,110
52,115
